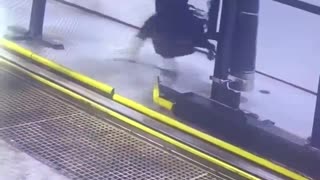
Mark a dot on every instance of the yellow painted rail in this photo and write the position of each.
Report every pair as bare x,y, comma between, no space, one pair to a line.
135,124
8,45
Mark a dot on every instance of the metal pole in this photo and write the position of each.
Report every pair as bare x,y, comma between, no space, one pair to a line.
37,18
34,33
225,40
315,137
224,48
243,60
213,19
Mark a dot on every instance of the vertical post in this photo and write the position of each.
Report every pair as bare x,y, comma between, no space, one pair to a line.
315,137
37,18
35,31
213,19
225,40
243,60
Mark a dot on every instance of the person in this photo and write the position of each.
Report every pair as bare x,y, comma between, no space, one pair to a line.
175,30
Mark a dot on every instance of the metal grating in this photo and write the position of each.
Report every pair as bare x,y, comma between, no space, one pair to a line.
80,145
85,147
21,103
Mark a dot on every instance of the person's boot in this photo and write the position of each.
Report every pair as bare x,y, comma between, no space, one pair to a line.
132,51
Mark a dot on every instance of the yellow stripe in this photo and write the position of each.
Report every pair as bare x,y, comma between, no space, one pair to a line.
159,100
138,125
226,146
158,116
65,71
16,48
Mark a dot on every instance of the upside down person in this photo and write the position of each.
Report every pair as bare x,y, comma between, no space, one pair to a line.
175,30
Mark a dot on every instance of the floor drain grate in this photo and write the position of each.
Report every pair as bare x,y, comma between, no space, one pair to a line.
80,145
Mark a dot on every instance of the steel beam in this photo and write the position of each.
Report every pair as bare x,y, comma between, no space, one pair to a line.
301,5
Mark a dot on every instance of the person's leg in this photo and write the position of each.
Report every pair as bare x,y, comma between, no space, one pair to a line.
169,71
169,64
147,29
137,42
196,31
203,42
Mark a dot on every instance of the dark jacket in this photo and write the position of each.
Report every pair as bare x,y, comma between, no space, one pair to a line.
174,29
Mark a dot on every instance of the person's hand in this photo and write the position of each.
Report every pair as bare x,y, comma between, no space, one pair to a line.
212,53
